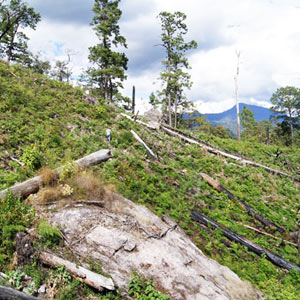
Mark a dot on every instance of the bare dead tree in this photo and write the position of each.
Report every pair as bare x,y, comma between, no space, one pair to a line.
238,54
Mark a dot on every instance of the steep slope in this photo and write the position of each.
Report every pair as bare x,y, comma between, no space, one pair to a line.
46,123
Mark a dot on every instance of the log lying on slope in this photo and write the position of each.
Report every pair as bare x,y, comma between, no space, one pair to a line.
32,185
149,151
11,294
272,257
90,278
227,155
139,121
213,183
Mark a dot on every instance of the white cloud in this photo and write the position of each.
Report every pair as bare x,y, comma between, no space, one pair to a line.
266,32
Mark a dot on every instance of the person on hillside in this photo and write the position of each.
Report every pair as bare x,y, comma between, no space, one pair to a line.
108,135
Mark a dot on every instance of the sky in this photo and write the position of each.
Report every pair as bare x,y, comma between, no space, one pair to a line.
266,33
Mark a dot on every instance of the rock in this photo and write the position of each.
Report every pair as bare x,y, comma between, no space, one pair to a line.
125,237
24,247
42,289
153,115
91,100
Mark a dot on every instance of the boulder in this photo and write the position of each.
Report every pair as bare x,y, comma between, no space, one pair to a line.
125,237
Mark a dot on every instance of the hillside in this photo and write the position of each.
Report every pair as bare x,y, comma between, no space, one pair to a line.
45,123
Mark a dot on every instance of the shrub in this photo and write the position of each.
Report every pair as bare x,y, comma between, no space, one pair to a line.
50,234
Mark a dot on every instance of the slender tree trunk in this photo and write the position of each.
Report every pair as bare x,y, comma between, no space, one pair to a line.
237,97
10,47
176,104
106,88
133,100
291,125
169,93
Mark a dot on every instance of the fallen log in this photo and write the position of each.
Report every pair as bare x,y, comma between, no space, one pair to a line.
213,183
149,151
272,257
227,155
90,278
32,185
139,121
11,294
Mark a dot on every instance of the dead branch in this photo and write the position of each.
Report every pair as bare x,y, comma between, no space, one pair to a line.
268,234
272,257
138,121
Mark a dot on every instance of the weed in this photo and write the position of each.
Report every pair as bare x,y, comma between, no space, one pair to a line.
50,234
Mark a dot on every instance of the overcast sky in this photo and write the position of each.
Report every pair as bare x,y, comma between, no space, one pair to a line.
265,32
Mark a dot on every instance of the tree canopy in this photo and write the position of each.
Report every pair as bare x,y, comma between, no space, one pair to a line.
109,67
15,15
286,108
175,77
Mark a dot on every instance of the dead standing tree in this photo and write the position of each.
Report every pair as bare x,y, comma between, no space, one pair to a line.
238,54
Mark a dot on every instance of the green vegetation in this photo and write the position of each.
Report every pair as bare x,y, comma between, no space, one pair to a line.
53,125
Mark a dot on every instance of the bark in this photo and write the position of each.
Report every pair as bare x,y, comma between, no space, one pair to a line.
272,257
245,206
149,151
32,185
225,154
11,294
90,278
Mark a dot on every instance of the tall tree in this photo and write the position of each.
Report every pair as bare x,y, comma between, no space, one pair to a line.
110,66
286,107
174,77
15,15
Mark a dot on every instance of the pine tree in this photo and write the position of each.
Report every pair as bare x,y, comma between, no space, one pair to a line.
174,77
14,16
109,70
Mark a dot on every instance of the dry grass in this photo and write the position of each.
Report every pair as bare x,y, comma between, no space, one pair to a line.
49,177
87,185
49,194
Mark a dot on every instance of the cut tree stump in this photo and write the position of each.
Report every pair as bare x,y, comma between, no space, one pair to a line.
32,185
90,278
149,151
11,294
272,257
216,185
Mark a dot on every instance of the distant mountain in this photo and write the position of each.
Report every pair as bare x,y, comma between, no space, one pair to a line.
228,118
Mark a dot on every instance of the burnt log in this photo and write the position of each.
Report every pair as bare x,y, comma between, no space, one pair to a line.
272,257
11,294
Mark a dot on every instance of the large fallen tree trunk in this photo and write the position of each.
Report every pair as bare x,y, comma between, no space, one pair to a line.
273,258
227,155
90,278
11,294
245,206
139,121
149,151
32,185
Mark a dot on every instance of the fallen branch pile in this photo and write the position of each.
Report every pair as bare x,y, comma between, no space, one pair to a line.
272,257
